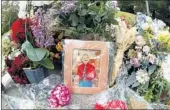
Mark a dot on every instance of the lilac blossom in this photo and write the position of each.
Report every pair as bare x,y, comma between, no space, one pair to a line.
43,36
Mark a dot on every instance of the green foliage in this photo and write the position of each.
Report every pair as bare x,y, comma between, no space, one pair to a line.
154,89
37,55
9,14
88,18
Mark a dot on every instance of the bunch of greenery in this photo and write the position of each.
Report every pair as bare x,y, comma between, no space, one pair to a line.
88,17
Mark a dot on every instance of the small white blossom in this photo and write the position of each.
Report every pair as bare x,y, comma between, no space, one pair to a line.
146,49
139,55
140,41
149,19
145,26
142,76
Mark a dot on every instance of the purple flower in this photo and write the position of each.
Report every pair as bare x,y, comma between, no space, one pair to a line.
43,35
134,62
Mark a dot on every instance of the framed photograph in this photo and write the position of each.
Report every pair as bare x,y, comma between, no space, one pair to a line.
86,66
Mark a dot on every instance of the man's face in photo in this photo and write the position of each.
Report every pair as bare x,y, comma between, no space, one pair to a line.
85,58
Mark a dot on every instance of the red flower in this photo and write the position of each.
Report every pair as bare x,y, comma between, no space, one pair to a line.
11,70
98,106
18,29
114,104
17,62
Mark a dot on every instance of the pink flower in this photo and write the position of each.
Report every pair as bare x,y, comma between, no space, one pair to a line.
134,62
59,96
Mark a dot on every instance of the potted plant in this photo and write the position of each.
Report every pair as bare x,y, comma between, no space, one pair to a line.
39,59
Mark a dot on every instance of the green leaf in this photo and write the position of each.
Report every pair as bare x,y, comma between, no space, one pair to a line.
81,20
36,54
97,18
82,12
47,63
26,45
81,27
74,19
151,69
113,21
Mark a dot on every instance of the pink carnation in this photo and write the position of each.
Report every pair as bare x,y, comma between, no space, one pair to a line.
59,96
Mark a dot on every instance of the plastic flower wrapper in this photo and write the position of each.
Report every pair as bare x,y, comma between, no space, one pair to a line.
35,96
121,92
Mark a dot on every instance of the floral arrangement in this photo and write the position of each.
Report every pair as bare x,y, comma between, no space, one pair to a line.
145,57
39,37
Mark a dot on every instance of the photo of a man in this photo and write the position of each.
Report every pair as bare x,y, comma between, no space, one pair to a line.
86,73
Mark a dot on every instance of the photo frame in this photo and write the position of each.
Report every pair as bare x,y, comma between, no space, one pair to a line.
86,66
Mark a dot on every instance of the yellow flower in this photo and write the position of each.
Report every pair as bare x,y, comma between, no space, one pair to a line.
59,46
163,36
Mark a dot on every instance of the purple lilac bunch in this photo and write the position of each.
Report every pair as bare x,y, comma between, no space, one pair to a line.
68,6
40,28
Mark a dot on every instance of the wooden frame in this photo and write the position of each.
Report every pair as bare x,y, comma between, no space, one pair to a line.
69,46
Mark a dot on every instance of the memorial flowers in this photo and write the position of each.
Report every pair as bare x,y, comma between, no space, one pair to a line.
145,57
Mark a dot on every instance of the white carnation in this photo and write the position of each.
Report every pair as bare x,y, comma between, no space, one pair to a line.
142,76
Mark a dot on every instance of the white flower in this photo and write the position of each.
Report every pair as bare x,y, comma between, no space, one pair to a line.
22,14
146,49
142,76
139,55
145,26
140,40
22,9
148,19
166,68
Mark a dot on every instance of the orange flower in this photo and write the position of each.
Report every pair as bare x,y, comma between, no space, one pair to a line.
59,46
